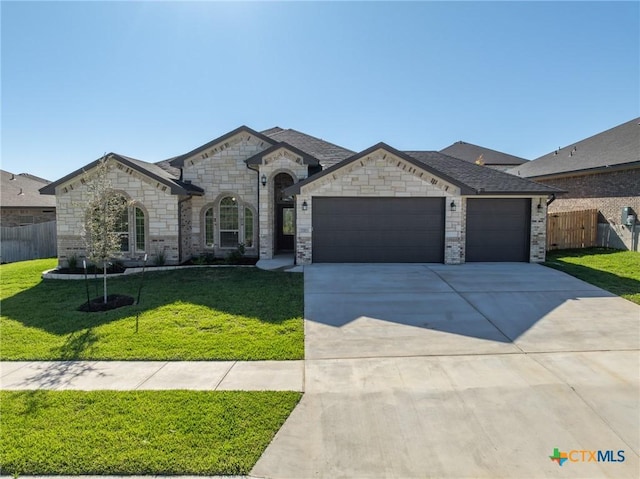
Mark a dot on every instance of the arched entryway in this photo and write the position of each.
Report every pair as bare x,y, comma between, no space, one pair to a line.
284,213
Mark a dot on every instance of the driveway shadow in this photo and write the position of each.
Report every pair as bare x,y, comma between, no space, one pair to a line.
468,309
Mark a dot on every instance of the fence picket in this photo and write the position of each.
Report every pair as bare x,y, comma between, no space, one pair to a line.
22,243
572,229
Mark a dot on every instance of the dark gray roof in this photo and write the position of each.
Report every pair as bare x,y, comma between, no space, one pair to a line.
616,148
271,131
471,153
151,170
470,178
327,153
22,191
306,158
481,179
178,161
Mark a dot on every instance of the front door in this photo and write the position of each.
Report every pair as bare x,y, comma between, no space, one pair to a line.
284,212
286,230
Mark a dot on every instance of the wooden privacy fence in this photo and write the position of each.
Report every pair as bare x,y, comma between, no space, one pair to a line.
21,243
572,229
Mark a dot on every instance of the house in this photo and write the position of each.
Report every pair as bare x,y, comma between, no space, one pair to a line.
482,156
283,190
603,172
21,201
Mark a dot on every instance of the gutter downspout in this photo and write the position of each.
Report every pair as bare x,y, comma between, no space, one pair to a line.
551,200
257,170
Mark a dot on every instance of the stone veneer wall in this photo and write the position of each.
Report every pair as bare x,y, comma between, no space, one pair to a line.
538,233
186,244
380,174
279,161
222,171
160,206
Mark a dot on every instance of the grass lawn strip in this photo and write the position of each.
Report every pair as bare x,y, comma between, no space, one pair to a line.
613,270
187,314
138,432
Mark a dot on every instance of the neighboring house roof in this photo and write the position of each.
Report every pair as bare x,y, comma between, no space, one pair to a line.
178,161
616,148
149,169
327,153
257,159
470,178
22,191
481,179
472,153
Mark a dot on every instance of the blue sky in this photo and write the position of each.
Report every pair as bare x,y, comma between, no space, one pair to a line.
153,80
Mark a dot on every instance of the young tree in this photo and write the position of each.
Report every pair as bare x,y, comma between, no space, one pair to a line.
103,211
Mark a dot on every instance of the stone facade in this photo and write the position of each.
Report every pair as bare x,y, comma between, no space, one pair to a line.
159,206
26,216
222,172
379,174
538,232
279,161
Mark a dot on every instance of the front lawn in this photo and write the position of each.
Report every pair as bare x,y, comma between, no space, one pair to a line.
187,314
138,432
613,270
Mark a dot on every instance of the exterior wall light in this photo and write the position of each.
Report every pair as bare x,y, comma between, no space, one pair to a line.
304,206
263,180
452,205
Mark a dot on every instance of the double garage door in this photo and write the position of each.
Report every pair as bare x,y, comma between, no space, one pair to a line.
411,230
378,230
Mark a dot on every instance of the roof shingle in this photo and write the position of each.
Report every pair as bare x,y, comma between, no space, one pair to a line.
471,153
617,146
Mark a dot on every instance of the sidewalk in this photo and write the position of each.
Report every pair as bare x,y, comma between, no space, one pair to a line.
153,375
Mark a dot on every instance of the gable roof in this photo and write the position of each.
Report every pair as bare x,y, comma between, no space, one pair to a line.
470,178
22,191
470,152
306,158
151,170
482,180
327,153
178,161
618,147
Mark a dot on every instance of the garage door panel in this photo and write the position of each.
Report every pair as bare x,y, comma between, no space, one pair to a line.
378,229
498,229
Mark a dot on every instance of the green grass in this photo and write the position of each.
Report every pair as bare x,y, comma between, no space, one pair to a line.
613,270
138,432
188,314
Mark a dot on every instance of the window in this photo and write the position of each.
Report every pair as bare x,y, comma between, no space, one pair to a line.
248,228
208,228
228,222
287,222
139,233
122,228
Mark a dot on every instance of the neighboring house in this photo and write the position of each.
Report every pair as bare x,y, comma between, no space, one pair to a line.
482,156
283,190
603,172
21,201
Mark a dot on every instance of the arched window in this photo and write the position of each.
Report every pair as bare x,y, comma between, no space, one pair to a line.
139,233
229,222
248,228
208,228
122,227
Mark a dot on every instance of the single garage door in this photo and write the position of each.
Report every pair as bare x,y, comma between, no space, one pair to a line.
378,230
498,229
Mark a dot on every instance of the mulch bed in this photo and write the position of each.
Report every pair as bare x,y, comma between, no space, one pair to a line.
113,301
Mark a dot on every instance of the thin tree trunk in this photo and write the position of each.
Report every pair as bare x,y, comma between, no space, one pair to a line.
104,269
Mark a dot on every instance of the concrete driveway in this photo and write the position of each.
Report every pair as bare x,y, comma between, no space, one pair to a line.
478,370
